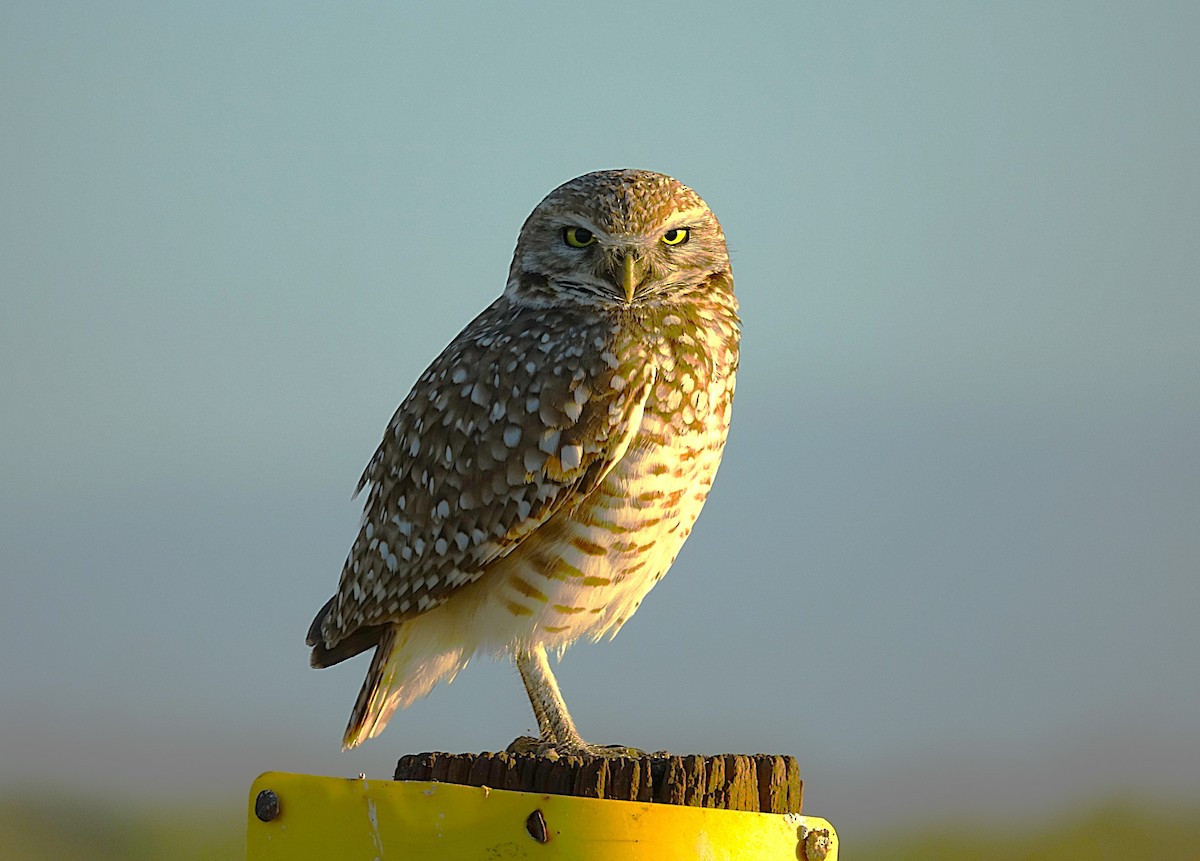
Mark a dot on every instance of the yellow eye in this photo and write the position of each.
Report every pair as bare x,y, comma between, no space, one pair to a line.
578,237
678,236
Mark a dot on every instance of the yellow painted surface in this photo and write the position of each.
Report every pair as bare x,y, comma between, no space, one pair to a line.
331,818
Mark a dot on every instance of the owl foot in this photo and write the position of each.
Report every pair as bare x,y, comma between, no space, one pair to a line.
573,747
611,751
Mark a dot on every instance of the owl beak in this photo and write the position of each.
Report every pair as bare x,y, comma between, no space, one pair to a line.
633,272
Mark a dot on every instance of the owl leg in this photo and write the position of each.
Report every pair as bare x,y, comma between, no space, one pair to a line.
555,725
554,721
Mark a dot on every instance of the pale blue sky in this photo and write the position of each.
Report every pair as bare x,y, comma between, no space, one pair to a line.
959,517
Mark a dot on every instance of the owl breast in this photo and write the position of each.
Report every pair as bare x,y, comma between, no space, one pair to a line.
584,572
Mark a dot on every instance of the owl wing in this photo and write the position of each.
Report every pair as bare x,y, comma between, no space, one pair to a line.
523,415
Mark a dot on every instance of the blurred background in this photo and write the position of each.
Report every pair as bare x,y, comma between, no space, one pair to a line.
952,561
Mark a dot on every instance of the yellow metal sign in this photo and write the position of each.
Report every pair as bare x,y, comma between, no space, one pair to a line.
303,818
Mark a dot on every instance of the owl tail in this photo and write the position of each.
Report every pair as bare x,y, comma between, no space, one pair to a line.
399,676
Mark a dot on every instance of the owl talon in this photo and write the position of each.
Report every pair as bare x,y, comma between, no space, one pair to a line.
553,750
525,744
609,751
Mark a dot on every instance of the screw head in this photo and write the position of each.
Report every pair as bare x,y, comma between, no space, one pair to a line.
536,826
817,844
266,805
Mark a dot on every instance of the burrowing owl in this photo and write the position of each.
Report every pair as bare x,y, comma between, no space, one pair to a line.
544,471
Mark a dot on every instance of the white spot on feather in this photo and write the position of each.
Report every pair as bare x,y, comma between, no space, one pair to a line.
571,456
549,441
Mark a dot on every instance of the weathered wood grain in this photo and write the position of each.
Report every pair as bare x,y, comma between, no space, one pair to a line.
765,783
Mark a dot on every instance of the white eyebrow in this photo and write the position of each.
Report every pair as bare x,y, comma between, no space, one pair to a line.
693,216
688,217
587,224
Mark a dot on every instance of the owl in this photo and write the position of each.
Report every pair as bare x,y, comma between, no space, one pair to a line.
546,468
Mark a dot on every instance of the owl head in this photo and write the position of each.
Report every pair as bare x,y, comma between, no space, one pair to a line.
617,238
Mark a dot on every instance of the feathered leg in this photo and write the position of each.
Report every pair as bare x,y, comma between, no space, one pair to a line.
555,725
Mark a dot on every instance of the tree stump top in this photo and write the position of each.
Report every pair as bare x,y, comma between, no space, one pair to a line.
762,783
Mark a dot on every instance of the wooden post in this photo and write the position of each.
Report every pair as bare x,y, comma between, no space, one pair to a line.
760,783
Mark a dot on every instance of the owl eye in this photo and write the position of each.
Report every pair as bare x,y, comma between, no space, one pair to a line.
677,236
578,237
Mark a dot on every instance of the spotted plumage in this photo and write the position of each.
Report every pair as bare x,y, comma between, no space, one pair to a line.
544,471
